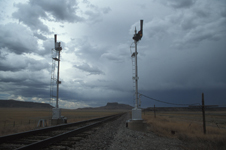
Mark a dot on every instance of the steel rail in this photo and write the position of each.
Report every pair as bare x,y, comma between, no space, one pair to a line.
6,138
49,141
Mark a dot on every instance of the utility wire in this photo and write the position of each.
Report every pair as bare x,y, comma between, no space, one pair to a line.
167,102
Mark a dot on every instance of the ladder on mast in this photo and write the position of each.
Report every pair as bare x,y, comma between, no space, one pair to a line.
133,71
53,78
134,75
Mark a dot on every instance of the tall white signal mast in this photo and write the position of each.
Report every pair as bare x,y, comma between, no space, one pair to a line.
136,123
56,116
136,112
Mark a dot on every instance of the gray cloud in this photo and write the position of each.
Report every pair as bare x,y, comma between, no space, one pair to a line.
90,69
189,27
32,12
48,45
156,28
62,10
113,57
26,83
223,13
106,10
30,15
87,50
13,63
12,80
40,36
93,13
203,32
16,38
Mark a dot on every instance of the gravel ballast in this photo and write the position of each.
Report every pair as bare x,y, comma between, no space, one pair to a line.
115,136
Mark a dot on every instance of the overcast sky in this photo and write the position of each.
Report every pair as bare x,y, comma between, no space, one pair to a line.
182,52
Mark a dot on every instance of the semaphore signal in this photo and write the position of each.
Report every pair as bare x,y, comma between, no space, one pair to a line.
136,112
56,116
136,123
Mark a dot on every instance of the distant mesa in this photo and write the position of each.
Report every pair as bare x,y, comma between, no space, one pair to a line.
111,106
21,104
116,105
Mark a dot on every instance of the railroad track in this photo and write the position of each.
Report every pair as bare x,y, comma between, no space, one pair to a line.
65,134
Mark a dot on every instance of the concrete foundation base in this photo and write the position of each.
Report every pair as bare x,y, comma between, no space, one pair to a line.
57,118
137,125
56,113
136,114
58,121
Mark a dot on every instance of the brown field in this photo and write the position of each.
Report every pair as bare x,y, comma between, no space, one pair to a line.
14,120
188,127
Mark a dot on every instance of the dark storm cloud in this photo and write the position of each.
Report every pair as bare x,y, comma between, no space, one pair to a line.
32,83
36,90
193,96
26,83
90,69
17,39
190,27
193,68
30,15
32,12
12,80
179,3
223,13
61,10
208,31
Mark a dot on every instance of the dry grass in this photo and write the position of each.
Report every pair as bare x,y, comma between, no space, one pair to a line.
187,126
80,115
15,120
